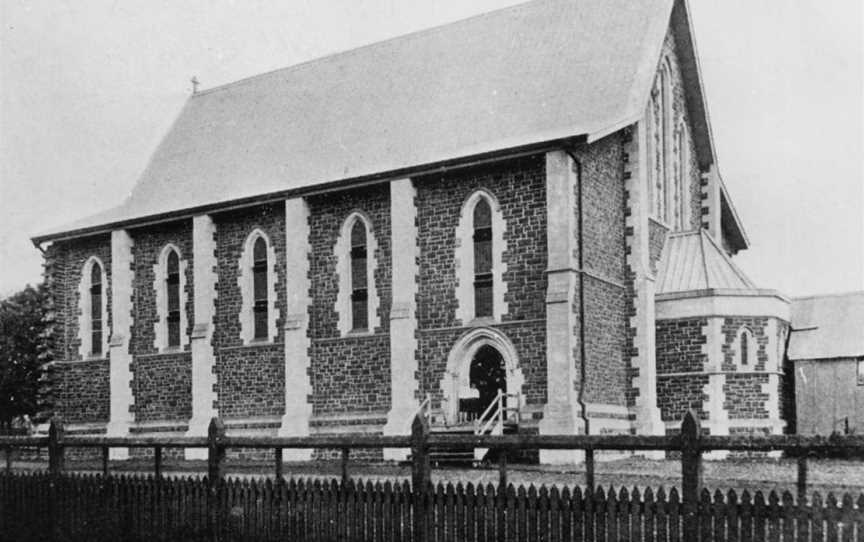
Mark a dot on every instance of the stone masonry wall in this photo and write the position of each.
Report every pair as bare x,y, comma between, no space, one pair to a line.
606,293
81,393
81,387
677,394
69,259
350,374
148,245
162,383
744,396
680,349
162,386
680,345
520,188
250,379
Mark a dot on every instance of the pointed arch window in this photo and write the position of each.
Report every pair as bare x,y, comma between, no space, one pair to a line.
479,260
359,278
259,288
746,348
357,300
172,287
96,316
257,282
483,300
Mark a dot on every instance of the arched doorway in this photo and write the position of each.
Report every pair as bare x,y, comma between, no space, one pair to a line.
488,374
480,363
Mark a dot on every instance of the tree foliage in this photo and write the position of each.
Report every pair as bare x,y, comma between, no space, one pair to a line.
21,338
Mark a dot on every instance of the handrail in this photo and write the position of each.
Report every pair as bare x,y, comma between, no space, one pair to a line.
424,408
481,427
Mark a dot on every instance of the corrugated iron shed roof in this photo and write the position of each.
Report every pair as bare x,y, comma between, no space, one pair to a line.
828,326
535,72
693,261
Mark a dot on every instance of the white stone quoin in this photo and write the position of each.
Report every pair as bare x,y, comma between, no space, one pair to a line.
204,278
121,358
403,321
561,415
648,418
298,388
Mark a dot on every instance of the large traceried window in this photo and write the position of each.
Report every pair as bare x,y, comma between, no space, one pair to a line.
96,316
482,259
668,166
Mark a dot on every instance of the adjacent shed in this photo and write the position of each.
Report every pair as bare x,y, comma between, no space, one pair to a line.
826,346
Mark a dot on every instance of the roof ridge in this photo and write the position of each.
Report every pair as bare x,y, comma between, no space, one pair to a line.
744,278
350,52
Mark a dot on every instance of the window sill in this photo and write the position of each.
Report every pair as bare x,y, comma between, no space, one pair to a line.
94,357
172,350
482,321
258,342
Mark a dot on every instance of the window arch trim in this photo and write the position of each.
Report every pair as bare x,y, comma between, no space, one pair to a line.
746,347
253,302
349,253
87,335
467,276
172,319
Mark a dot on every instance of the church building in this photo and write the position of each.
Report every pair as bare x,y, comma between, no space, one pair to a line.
521,212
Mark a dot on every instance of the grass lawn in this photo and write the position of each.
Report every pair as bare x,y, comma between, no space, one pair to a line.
824,475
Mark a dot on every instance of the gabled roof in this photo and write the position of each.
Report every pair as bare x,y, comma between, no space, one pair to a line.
827,327
693,261
540,72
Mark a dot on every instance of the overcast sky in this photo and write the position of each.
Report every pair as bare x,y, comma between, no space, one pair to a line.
88,88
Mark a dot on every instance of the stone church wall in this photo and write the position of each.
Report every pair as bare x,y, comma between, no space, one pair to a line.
250,379
349,374
681,350
162,382
607,294
81,386
519,186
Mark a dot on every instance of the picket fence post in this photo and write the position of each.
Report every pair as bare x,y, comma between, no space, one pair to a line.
421,479
691,473
215,472
56,452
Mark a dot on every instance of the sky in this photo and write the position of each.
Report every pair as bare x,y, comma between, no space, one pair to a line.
89,87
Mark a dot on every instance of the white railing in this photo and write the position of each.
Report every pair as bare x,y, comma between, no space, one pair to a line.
424,410
492,419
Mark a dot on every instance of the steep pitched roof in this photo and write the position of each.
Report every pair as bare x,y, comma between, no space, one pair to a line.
539,72
693,261
828,326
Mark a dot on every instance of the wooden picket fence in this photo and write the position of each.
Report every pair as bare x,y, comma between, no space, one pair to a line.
37,506
57,505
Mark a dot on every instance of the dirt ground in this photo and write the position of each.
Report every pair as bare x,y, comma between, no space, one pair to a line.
824,475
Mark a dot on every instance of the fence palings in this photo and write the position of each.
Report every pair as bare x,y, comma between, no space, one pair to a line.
95,507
